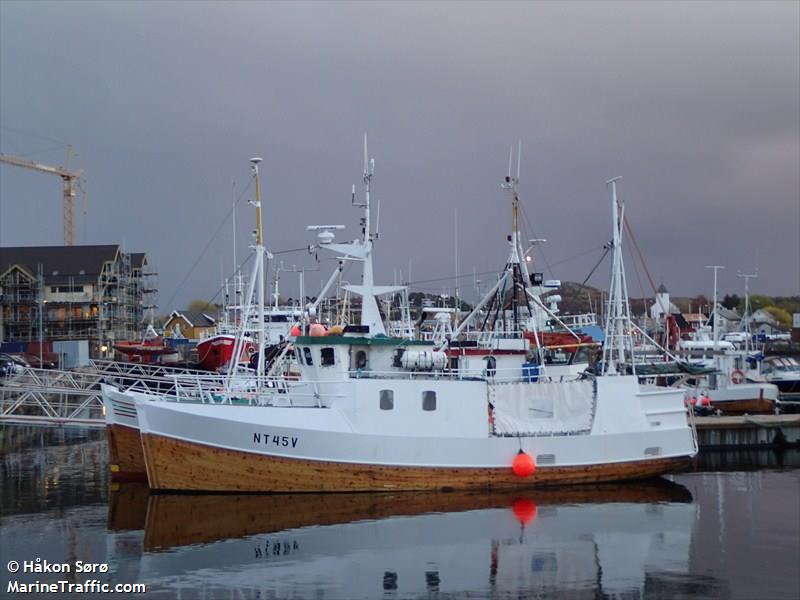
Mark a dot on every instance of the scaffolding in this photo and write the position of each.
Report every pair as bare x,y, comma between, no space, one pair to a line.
53,307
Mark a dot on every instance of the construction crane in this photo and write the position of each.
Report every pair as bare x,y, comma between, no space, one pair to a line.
70,180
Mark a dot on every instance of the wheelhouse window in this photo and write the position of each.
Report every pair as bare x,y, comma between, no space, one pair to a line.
307,355
361,359
328,357
387,399
429,400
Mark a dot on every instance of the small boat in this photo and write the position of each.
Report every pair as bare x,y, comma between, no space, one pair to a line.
783,372
151,349
737,385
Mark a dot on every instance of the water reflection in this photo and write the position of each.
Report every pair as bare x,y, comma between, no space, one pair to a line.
709,534
611,539
181,519
48,468
747,459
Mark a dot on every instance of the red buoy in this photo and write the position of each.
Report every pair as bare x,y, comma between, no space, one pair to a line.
523,465
296,331
525,510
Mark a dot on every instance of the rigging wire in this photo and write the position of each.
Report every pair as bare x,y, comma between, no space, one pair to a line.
222,287
533,233
208,244
639,252
641,287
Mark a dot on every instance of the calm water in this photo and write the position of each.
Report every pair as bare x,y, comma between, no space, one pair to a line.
729,530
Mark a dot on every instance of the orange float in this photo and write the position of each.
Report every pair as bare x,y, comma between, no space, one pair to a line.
523,465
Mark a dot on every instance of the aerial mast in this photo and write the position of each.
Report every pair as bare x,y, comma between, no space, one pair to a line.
746,313
618,346
714,313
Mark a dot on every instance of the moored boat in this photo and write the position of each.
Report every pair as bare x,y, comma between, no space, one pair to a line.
390,413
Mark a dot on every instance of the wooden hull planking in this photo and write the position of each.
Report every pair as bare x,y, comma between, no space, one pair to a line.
180,465
125,456
740,407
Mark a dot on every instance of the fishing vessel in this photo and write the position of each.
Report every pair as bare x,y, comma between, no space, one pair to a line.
391,413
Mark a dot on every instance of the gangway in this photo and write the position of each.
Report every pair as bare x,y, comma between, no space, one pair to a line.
73,397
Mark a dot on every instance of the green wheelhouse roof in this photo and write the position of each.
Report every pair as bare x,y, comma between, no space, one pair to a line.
352,340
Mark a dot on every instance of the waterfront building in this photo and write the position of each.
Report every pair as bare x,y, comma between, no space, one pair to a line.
98,293
189,324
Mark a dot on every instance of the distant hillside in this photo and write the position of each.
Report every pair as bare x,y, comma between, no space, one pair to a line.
576,299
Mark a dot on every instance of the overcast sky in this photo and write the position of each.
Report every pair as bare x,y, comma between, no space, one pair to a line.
695,104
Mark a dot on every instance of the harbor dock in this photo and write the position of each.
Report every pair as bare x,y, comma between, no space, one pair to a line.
748,431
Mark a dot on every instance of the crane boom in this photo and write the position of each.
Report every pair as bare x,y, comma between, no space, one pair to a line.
68,177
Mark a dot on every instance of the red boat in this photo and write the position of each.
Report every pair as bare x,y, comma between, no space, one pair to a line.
147,351
215,352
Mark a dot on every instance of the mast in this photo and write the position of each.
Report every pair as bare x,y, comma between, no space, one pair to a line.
260,273
361,249
746,313
618,346
514,265
256,281
714,313
369,171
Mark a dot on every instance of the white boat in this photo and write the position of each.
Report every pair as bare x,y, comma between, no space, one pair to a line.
784,372
736,387
390,413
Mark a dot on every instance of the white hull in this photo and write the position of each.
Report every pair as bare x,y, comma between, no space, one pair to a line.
626,426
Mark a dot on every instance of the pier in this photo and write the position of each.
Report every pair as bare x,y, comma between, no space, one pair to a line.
748,431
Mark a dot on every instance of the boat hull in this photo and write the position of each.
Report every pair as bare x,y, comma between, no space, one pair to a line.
174,464
748,398
215,352
750,407
125,456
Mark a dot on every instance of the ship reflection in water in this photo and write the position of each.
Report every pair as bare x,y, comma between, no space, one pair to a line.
729,530
611,539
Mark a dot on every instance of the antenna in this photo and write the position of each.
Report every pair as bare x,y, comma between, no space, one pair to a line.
519,156
366,158
378,217
510,157
716,319
353,195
